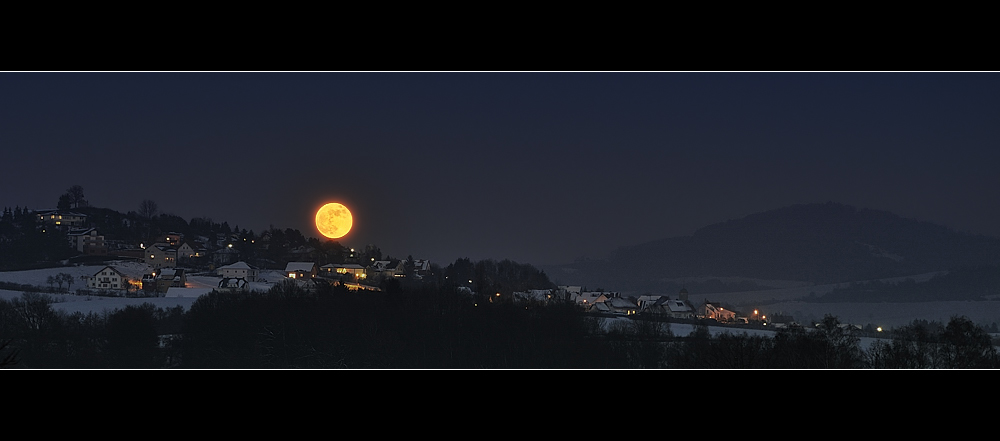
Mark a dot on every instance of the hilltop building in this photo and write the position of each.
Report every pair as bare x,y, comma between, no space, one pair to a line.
60,219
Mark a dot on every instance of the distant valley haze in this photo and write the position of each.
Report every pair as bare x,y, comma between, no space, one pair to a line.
815,244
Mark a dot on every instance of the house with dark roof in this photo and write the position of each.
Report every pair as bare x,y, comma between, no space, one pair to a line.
536,295
386,268
190,249
174,277
588,299
225,256
172,238
714,310
621,305
335,269
300,270
781,320
665,306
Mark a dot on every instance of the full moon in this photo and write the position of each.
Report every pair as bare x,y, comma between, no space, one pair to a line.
334,220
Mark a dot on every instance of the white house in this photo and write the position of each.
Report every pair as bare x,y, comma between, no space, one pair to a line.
188,250
679,308
62,220
108,278
239,270
87,241
160,256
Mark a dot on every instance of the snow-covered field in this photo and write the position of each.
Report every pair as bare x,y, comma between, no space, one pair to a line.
184,297
684,329
71,303
196,286
882,314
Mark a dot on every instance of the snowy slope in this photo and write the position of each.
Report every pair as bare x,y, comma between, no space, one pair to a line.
74,303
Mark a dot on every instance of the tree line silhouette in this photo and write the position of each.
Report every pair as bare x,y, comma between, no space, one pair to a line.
437,327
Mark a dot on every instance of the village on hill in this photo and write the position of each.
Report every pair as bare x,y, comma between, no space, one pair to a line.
101,266
242,261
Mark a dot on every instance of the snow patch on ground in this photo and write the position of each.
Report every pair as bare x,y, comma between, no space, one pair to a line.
70,302
39,277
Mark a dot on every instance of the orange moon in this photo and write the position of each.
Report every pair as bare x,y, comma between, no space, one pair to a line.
334,220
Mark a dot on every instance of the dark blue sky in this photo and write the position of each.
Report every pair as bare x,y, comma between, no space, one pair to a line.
536,167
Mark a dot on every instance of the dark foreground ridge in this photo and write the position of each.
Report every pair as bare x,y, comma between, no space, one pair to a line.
290,328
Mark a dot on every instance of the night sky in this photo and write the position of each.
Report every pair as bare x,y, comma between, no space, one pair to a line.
541,168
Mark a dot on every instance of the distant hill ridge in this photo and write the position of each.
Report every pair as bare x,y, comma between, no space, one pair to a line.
820,243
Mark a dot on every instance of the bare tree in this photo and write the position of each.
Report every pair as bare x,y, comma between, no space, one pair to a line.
64,277
147,209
